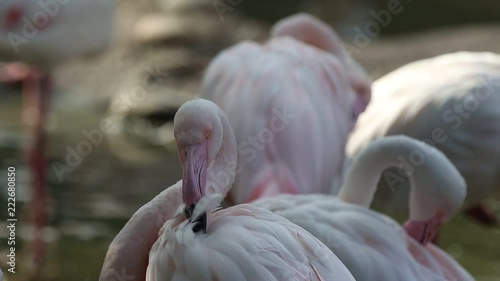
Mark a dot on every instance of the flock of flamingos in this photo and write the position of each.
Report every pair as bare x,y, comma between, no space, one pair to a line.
294,136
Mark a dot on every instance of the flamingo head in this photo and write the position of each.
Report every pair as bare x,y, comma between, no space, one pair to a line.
424,231
437,192
431,208
427,218
198,134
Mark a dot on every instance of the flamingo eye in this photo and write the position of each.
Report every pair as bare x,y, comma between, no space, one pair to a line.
208,134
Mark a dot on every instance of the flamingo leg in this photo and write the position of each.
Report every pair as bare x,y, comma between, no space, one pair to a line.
36,89
36,97
483,215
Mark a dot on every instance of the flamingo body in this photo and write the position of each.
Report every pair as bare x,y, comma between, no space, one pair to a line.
292,102
42,35
280,97
371,245
242,242
451,102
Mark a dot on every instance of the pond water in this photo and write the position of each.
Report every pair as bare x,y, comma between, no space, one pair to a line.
90,204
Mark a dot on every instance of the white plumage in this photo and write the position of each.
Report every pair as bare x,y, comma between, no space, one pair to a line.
242,243
372,246
450,101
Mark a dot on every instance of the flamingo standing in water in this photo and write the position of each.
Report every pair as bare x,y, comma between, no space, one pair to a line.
199,241
280,96
451,102
37,35
373,246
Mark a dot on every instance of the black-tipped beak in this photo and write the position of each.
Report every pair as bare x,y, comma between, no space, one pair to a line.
200,223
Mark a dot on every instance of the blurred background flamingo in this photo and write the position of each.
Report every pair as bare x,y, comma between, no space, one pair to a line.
303,92
37,36
451,102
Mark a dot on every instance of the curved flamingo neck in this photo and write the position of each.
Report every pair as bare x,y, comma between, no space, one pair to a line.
222,171
131,259
436,185
361,183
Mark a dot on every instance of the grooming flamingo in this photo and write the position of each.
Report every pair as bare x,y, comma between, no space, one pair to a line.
309,29
451,102
373,246
203,242
280,96
41,34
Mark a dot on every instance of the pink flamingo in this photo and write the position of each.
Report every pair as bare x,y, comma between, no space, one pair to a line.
451,102
199,241
279,96
41,34
373,246
309,29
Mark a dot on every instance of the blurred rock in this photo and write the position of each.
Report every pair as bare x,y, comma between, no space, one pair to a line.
179,29
249,30
201,32
183,6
